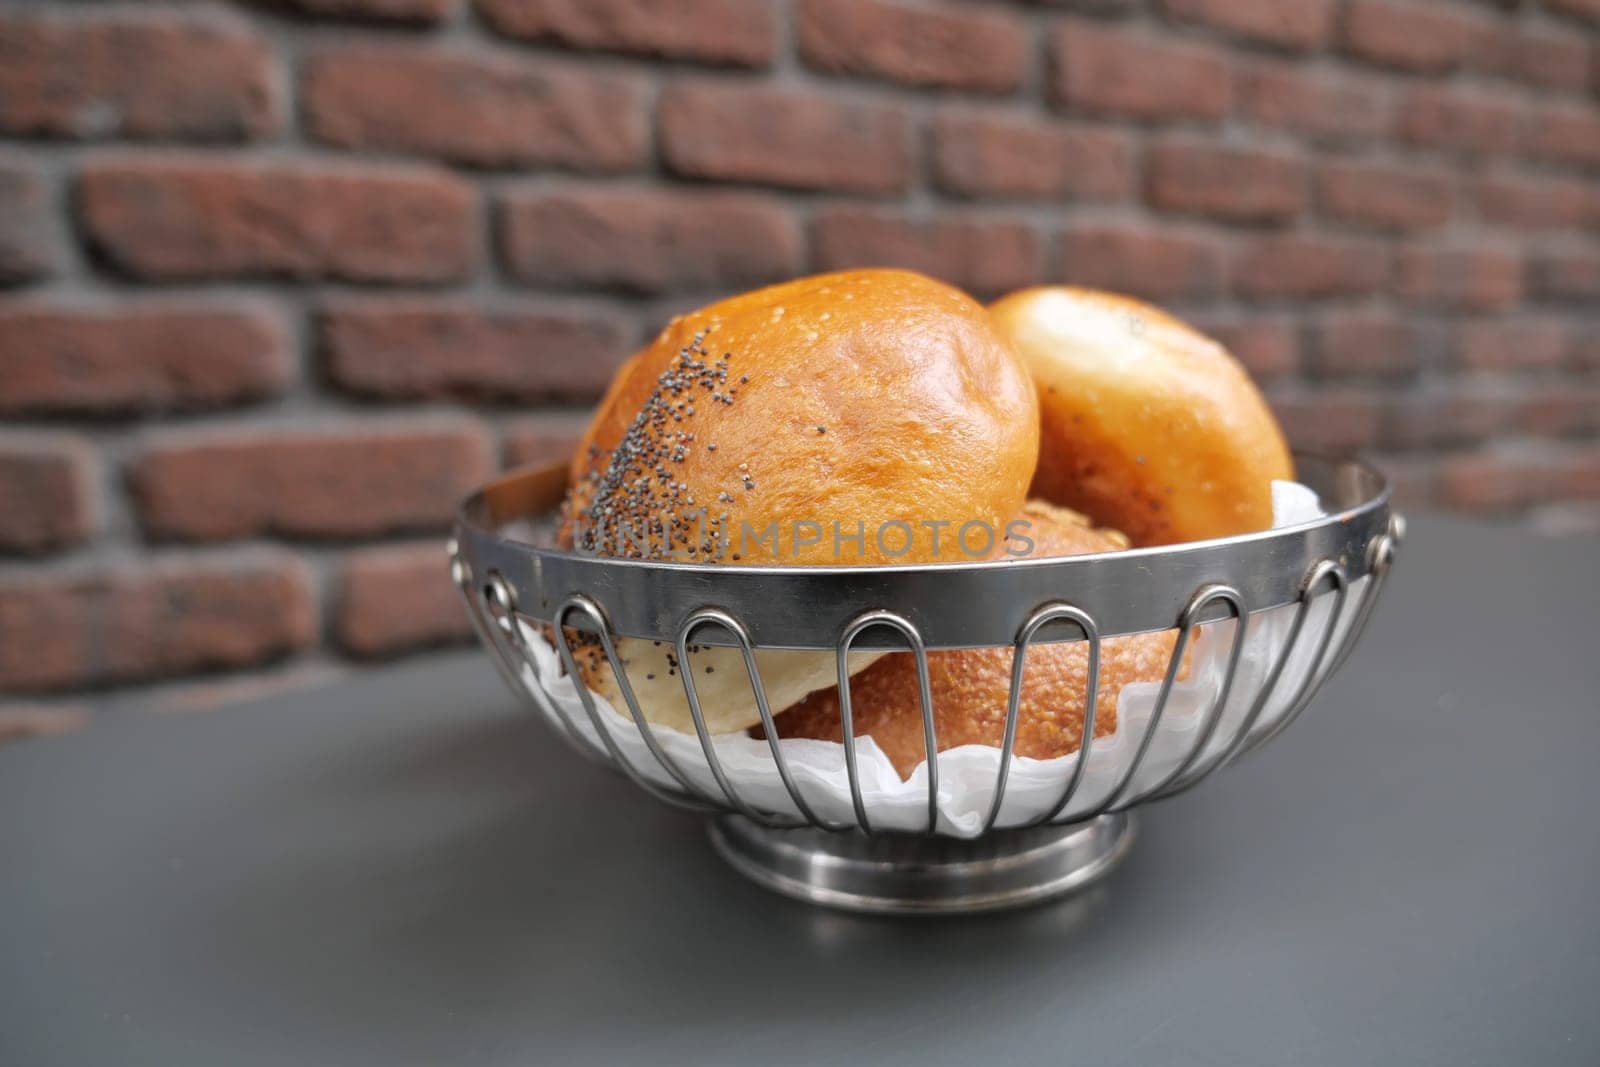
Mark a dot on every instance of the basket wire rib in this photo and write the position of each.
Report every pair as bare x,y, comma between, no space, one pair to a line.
716,616
491,610
691,690
692,799
1219,704
930,740
1044,616
1313,679
492,606
763,706
1381,559
1269,685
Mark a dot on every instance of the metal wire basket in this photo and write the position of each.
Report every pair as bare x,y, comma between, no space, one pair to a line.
509,580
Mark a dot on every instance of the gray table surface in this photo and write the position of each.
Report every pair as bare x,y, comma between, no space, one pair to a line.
405,868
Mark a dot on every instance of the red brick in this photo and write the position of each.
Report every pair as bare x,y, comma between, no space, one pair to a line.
1411,480
1565,133
398,598
1451,418
732,32
1431,38
985,255
1495,483
1120,72
1552,58
1586,350
47,492
1331,421
1242,185
993,155
134,77
1366,345
648,241
1582,9
945,46
1579,474
398,11
1463,120
1462,277
1268,347
656,315
166,221
551,438
1164,264
1388,196
1522,342
1531,202
1302,25
1561,411
28,234
1306,266
474,109
354,480
72,629
748,133
1326,106
1559,275
62,359
407,349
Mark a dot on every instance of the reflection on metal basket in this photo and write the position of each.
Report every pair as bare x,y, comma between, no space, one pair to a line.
1313,585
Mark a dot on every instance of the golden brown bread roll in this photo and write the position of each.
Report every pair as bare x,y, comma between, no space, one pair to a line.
970,686
858,397
1147,425
878,400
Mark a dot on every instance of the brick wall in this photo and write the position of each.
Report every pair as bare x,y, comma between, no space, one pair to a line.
280,281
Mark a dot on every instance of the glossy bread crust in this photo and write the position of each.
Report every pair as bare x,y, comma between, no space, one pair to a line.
863,397
1147,425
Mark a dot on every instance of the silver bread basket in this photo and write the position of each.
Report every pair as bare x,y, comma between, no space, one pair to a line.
505,575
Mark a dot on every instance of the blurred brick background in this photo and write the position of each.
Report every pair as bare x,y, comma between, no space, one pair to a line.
280,281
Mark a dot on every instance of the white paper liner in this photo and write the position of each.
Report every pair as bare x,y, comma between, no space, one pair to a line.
967,774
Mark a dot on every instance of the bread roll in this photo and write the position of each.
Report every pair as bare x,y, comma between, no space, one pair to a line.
1147,425
858,397
855,418
970,687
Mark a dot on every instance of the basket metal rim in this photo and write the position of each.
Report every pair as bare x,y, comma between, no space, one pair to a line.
807,607
475,504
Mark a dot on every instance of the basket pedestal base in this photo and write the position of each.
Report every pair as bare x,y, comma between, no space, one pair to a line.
912,874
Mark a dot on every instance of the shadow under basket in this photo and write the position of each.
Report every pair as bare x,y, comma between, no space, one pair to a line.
512,580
